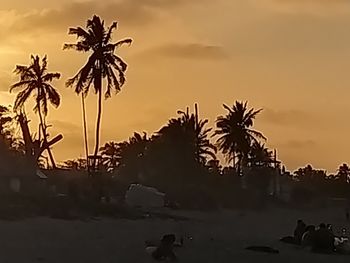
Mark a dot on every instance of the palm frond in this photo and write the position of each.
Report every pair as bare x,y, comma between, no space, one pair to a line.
21,98
79,32
53,96
80,46
20,84
51,76
108,36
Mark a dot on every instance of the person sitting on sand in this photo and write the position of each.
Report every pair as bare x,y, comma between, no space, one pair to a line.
344,237
342,243
165,249
330,228
323,240
299,231
308,237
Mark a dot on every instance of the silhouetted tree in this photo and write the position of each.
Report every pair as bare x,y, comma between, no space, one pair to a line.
35,80
76,164
191,134
111,154
344,173
309,174
214,167
235,133
102,63
5,125
7,131
132,156
259,155
179,151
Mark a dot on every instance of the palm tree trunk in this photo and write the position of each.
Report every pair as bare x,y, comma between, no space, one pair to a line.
43,128
84,127
233,165
99,114
239,166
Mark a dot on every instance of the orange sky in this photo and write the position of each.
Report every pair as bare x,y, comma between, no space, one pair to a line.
289,57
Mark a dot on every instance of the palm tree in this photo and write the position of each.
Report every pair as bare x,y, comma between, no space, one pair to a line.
111,155
189,134
131,156
35,80
102,64
344,173
76,164
259,155
133,149
235,133
5,121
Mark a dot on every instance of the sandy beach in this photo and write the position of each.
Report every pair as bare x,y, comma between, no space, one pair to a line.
216,237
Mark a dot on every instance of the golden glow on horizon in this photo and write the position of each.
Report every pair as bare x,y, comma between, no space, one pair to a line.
283,56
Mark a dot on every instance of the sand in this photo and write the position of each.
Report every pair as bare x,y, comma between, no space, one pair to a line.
216,237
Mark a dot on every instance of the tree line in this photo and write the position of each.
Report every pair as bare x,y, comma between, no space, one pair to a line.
182,153
104,71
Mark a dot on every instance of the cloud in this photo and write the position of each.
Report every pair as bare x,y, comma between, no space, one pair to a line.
75,14
26,25
6,99
299,144
150,120
196,51
5,81
127,12
287,117
314,7
65,126
72,135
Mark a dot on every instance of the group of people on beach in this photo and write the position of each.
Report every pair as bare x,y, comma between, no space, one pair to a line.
321,239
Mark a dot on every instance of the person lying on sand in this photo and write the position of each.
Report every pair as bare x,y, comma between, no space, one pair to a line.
263,249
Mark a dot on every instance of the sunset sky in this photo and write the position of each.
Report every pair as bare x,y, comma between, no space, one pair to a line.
289,57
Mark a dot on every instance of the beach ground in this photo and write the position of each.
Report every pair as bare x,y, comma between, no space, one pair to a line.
209,237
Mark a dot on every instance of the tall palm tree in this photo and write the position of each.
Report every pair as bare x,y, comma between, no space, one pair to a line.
235,132
35,80
102,63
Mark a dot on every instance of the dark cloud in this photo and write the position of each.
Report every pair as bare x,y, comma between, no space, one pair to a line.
299,144
287,117
76,14
127,12
315,7
189,51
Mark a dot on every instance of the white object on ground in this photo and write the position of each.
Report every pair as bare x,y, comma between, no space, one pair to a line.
143,196
41,174
150,250
15,185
